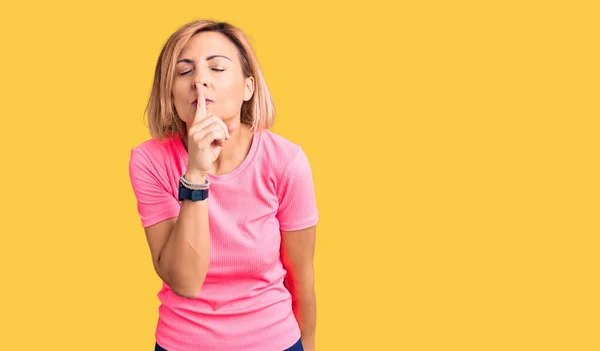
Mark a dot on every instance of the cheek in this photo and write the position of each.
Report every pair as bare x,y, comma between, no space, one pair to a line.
179,95
232,93
177,91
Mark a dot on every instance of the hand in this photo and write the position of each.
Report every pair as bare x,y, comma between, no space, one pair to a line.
205,139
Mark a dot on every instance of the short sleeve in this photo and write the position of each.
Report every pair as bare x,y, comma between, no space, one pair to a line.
296,193
154,203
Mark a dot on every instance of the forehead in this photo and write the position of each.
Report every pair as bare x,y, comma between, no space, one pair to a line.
208,43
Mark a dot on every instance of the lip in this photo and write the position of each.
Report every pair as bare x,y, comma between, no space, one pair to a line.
208,101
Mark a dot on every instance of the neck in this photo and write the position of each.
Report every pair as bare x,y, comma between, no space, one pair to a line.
238,146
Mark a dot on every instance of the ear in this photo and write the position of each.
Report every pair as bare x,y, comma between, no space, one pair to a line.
248,88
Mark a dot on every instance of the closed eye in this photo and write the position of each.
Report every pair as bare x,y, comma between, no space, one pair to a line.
214,69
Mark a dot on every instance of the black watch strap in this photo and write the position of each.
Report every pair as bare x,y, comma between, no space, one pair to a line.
189,194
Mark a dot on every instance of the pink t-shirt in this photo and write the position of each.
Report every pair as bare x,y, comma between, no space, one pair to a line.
243,304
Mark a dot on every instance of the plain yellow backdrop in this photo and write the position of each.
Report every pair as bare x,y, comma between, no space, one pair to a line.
454,146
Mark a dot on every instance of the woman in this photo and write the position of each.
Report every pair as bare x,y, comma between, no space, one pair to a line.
228,206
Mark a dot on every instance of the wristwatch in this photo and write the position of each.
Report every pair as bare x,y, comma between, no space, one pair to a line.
190,194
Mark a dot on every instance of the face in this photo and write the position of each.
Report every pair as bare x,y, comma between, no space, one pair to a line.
213,60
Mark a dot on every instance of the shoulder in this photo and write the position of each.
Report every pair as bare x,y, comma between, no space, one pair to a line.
153,151
283,156
154,160
279,150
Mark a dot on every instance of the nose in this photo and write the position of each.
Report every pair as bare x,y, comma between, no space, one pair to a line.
199,78
194,87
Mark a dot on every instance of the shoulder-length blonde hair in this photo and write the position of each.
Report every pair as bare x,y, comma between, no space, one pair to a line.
163,121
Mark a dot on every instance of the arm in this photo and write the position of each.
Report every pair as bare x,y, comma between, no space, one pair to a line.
297,251
180,247
298,217
178,235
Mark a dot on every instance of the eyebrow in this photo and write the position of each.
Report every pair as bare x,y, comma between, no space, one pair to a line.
207,59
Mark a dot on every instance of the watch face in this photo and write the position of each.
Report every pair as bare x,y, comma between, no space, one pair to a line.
184,193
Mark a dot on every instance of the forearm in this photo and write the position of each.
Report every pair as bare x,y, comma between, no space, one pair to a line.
304,304
184,258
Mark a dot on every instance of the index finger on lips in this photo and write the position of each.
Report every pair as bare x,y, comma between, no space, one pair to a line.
200,105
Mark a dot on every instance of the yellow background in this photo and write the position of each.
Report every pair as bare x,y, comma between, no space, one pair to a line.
454,146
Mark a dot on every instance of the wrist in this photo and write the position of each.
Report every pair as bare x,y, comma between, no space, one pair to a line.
195,177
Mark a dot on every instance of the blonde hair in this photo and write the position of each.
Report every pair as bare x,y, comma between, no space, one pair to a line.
163,121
